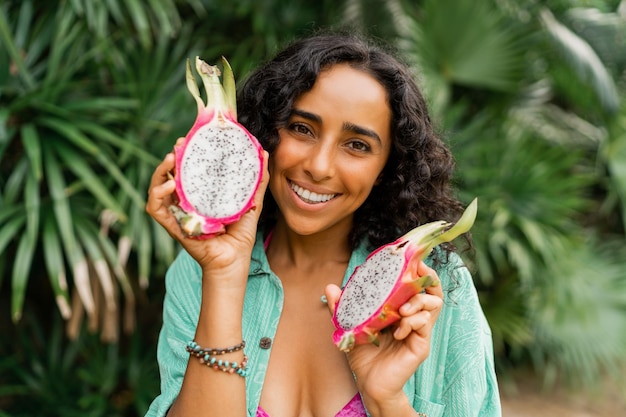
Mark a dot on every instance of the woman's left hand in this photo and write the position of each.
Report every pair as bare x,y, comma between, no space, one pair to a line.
381,371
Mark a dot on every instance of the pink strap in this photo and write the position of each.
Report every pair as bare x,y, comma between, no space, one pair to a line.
266,244
354,408
261,412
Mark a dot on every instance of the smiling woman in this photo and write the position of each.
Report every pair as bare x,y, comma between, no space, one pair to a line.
335,144
353,163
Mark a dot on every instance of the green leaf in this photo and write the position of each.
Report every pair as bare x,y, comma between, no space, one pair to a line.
469,43
586,62
55,266
5,131
14,185
9,230
14,53
166,15
122,143
71,133
90,179
115,11
31,142
8,212
23,29
139,18
100,104
25,249
21,269
62,61
83,142
64,218
33,203
615,155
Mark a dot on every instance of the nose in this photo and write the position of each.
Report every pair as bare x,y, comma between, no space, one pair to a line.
319,164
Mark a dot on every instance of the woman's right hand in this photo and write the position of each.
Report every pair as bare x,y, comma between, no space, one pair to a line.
218,253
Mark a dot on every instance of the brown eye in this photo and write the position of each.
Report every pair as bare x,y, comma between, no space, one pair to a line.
359,146
300,128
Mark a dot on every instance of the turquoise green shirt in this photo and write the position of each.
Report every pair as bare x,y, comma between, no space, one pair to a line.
457,380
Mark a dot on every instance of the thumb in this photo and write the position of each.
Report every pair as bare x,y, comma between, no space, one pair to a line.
265,179
332,293
435,288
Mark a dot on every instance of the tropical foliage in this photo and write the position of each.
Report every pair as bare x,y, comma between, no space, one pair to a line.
529,94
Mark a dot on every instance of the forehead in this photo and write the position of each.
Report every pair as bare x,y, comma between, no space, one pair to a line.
348,95
350,82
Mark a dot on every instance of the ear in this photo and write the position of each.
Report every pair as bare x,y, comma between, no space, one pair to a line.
379,179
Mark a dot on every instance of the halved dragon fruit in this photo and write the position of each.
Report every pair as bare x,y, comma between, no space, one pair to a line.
219,164
387,279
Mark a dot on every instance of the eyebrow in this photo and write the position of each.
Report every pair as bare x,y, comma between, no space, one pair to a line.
347,126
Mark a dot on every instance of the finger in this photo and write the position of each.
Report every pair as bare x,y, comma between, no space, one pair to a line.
161,189
420,323
159,199
435,288
332,293
421,302
265,179
160,174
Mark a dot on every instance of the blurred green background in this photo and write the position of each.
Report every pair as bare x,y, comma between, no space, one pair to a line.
529,94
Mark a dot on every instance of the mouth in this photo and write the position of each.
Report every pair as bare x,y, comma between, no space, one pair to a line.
310,197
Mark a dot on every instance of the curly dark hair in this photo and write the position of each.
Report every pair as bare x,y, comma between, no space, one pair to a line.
415,187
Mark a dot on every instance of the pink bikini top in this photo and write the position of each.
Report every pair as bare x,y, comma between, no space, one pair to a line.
354,408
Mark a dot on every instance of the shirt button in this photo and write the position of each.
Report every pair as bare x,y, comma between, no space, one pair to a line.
265,343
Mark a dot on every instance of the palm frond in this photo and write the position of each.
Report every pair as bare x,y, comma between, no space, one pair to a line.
574,333
588,66
614,154
604,31
470,44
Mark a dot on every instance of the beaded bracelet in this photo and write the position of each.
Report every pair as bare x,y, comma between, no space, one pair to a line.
193,347
207,357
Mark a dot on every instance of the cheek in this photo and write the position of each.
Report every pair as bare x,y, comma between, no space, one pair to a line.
359,184
283,150
278,156
366,175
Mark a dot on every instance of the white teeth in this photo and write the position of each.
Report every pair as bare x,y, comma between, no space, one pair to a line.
310,196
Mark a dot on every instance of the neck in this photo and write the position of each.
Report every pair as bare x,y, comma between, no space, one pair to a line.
308,252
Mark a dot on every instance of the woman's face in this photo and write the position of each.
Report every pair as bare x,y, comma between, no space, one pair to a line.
331,151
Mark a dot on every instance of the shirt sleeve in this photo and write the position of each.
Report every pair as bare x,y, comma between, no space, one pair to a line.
180,317
458,379
471,387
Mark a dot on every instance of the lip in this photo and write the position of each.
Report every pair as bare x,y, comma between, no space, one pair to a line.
310,195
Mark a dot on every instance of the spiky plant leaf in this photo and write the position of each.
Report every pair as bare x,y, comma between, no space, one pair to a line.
614,153
469,43
64,218
26,247
55,265
584,60
575,335
13,47
90,180
605,31
32,147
